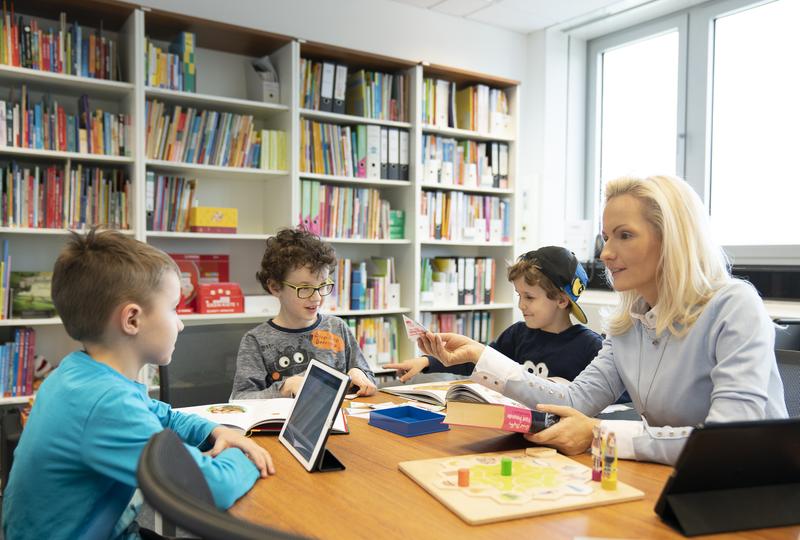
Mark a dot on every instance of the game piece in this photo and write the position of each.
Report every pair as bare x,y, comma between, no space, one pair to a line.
609,479
597,454
537,486
540,452
505,467
413,329
463,477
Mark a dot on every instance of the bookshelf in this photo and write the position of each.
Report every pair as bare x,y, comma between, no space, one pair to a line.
266,199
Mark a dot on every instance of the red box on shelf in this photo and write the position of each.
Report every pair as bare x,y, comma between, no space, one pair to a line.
220,298
197,270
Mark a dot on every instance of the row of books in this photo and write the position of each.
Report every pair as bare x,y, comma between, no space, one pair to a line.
47,126
464,217
5,282
344,212
17,363
370,284
175,68
326,86
205,137
363,151
377,337
464,163
457,281
72,197
478,325
72,51
168,200
476,108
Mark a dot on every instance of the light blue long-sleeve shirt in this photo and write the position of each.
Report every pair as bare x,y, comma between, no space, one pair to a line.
722,370
74,469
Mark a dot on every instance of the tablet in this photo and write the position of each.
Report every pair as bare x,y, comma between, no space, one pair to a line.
314,410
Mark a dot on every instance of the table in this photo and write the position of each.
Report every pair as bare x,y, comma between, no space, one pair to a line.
373,499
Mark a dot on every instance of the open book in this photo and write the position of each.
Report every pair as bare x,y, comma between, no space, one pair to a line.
439,393
254,415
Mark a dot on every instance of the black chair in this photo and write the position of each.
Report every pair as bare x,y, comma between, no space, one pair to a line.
173,485
10,431
202,366
787,336
789,368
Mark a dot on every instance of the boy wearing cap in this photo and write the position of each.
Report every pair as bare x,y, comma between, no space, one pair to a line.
549,282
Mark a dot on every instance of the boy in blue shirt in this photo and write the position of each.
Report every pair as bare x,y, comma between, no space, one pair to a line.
74,472
549,282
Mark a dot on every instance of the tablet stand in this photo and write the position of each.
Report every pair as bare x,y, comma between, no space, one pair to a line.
327,462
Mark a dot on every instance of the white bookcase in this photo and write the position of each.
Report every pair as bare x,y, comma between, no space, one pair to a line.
266,200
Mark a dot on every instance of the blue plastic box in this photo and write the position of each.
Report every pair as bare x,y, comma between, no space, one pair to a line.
408,421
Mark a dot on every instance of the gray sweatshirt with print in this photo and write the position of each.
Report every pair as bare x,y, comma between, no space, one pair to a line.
269,354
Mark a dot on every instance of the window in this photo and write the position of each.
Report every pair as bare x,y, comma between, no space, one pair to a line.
711,94
755,133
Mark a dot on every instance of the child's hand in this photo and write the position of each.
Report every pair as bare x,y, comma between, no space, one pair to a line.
409,368
227,438
571,435
291,386
451,349
365,386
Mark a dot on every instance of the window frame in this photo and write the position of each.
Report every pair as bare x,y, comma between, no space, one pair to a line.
695,107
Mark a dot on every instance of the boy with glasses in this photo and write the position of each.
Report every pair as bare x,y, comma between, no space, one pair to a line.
273,356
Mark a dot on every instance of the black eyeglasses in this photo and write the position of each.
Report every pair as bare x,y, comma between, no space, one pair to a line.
307,291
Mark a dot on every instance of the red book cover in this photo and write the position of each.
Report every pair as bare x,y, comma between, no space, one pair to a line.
31,361
201,229
496,416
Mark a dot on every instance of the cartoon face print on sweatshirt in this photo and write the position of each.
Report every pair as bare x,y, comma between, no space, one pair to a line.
290,361
539,369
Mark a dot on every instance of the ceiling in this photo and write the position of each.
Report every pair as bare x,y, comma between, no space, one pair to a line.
523,16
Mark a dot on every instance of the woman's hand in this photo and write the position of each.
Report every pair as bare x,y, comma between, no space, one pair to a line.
227,438
571,435
451,349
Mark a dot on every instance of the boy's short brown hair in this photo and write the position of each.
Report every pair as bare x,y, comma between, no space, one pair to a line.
291,249
533,276
98,271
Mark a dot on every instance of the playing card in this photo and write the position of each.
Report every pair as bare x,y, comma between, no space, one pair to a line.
413,328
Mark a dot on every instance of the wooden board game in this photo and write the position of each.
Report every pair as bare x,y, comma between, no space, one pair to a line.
539,484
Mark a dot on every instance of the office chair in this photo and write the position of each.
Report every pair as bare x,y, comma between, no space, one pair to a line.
10,432
787,337
789,368
173,485
202,366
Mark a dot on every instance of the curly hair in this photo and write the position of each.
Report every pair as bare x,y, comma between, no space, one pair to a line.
291,249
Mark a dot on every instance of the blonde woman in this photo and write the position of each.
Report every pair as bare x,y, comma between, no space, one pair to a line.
688,342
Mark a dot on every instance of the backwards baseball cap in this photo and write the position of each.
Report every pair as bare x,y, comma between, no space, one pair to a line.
561,267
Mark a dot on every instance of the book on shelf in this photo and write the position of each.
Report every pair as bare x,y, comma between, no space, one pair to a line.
513,418
75,50
327,86
460,216
345,212
442,393
206,137
377,339
17,363
31,295
168,202
438,102
360,151
195,270
370,284
72,196
447,161
174,69
253,416
477,325
47,126
457,281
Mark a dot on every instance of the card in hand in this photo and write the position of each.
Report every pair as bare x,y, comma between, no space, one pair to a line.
413,329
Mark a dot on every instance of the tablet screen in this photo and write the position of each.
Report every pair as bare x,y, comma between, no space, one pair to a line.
312,410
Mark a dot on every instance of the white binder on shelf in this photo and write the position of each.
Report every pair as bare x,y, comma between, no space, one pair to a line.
326,87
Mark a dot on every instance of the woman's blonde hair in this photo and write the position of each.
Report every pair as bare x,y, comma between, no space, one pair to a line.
691,266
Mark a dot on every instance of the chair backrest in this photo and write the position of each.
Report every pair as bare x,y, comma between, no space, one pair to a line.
787,337
10,431
789,368
202,366
174,486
